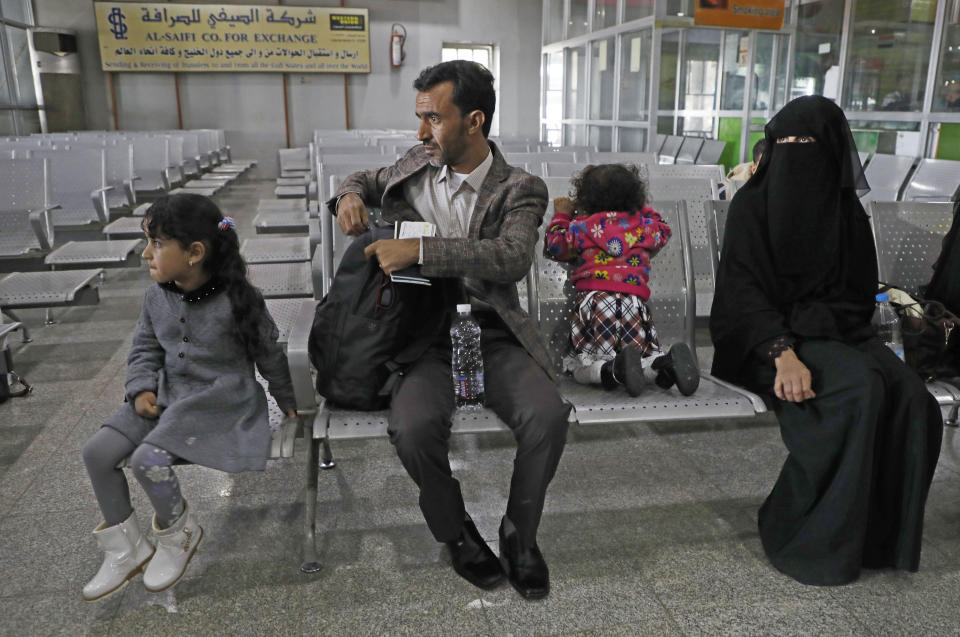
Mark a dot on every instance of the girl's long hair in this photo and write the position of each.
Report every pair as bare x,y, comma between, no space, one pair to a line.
187,218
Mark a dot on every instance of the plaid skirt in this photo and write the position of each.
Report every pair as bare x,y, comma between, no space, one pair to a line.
606,322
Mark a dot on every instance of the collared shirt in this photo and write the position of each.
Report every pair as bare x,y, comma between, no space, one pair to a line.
445,198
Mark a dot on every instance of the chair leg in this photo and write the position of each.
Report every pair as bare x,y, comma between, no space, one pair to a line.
328,461
310,564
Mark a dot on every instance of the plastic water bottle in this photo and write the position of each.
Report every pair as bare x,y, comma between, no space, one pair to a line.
887,323
467,361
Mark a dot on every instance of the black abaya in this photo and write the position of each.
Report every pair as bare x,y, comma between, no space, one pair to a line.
799,263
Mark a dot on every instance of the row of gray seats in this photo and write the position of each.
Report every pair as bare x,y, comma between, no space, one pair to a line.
56,199
905,178
680,149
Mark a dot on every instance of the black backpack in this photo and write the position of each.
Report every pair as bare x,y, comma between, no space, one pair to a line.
367,328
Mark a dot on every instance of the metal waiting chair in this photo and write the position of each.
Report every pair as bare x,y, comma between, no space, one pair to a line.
886,175
934,180
668,152
711,151
689,150
909,236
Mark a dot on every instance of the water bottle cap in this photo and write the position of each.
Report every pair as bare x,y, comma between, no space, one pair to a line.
463,308
883,296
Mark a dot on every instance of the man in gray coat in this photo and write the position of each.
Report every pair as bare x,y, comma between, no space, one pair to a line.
486,213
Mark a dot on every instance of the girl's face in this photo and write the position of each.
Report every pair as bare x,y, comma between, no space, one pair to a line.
168,261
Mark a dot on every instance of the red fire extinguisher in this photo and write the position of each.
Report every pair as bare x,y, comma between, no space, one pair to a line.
398,35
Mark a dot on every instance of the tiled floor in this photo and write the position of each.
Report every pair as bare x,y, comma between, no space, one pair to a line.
648,529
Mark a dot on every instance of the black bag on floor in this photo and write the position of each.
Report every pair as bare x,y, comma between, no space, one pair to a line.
368,327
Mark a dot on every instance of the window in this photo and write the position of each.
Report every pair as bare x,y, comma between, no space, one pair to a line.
604,14
480,53
601,79
18,101
947,95
817,52
889,53
485,54
553,26
635,75
576,91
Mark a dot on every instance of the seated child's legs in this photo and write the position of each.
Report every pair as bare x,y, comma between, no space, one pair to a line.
101,455
153,468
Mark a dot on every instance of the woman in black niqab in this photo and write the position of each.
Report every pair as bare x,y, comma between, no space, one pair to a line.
791,320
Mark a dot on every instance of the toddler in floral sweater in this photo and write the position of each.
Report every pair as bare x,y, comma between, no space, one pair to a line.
610,243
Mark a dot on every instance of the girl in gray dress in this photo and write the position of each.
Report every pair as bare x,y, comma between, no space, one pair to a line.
190,391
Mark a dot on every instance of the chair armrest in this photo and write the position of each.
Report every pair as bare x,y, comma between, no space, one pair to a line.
316,270
129,192
299,360
100,203
42,227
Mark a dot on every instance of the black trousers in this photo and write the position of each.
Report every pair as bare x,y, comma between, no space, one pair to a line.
518,391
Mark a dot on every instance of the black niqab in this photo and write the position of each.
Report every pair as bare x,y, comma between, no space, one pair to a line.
798,257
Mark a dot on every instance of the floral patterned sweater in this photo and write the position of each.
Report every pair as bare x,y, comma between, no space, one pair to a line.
610,250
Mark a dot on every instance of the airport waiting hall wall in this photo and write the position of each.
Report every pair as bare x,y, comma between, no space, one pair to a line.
249,106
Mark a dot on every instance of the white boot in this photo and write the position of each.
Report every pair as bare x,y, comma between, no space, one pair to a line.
125,553
175,546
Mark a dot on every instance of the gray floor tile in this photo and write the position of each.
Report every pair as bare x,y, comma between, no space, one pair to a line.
595,595
774,616
45,614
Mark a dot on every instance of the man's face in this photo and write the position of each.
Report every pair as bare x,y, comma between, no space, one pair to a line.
443,130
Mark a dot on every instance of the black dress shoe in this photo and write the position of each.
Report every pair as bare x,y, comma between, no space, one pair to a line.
473,560
525,566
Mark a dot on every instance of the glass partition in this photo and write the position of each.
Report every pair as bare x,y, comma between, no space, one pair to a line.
577,24
574,134
699,69
604,14
816,68
553,23
635,75
888,138
889,54
576,91
18,10
601,137
601,79
636,9
947,94
552,97
632,140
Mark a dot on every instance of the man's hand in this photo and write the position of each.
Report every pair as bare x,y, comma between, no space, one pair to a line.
394,254
145,404
352,215
563,204
793,382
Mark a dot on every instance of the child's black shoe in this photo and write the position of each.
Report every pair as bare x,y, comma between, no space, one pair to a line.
628,369
678,367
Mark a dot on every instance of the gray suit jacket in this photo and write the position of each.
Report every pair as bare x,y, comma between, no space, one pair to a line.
501,241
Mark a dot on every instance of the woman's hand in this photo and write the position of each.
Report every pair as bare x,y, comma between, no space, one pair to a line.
292,413
793,382
145,404
563,204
